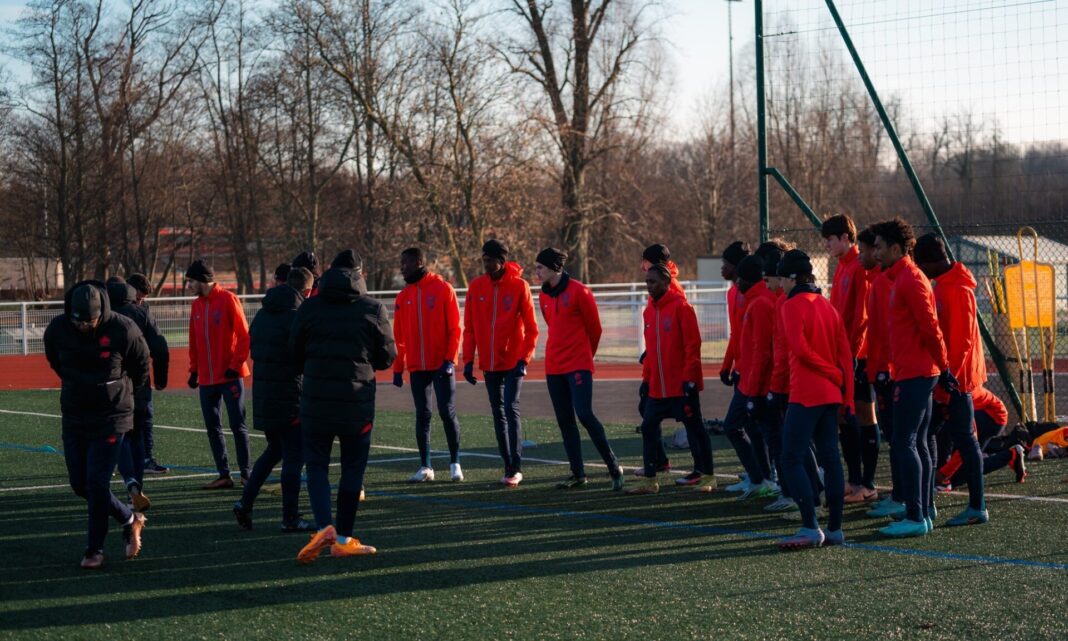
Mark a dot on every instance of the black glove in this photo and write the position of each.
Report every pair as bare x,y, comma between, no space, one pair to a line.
860,373
725,377
949,382
520,369
193,384
735,377
689,388
643,397
469,372
446,370
751,404
882,378
641,359
231,373
161,379
398,379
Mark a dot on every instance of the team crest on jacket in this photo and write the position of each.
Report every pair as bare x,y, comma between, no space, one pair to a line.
508,300
565,298
105,341
666,324
216,317
430,300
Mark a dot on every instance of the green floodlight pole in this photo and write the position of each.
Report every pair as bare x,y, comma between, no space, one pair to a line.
762,138
903,158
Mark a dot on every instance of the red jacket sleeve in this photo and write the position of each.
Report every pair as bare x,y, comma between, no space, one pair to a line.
780,373
874,338
242,341
399,335
591,318
452,322
763,326
921,305
858,323
845,366
691,344
194,353
958,308
530,324
469,329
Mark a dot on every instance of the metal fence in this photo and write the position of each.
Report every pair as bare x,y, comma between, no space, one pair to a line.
22,325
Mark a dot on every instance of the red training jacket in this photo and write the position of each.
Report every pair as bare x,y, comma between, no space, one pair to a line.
218,337
954,294
849,295
574,327
755,360
426,325
499,321
735,310
915,339
878,335
780,371
821,363
673,344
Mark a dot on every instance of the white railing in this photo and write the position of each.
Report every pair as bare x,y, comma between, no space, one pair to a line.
22,324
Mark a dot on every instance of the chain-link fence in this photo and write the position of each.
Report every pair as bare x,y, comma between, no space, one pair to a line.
22,325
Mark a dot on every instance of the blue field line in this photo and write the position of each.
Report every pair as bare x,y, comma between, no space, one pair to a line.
707,529
38,449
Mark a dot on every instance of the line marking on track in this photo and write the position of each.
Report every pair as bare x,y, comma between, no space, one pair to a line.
544,461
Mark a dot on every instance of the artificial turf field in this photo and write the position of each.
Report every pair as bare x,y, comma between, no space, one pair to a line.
477,561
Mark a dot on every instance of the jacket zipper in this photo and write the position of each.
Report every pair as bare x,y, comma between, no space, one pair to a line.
207,340
659,357
493,331
419,318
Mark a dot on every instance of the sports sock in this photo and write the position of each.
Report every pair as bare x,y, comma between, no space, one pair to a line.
342,540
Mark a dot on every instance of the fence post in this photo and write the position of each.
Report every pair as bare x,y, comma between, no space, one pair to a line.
635,302
25,331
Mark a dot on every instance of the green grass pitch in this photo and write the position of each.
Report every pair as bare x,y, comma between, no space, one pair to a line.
474,560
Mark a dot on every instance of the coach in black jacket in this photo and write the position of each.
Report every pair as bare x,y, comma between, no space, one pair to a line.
100,358
339,339
276,385
123,299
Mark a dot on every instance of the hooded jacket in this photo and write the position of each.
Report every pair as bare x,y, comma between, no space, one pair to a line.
426,325
755,362
218,337
735,311
339,339
849,295
915,339
98,371
878,335
276,383
673,346
574,326
821,363
499,321
123,299
954,294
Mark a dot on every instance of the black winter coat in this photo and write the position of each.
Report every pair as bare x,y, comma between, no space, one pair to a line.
275,381
99,370
123,298
339,339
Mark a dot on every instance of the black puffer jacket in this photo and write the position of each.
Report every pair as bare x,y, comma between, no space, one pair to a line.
275,381
123,298
339,339
99,370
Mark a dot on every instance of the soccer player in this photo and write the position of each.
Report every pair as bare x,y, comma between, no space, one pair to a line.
918,361
339,339
426,326
849,295
574,327
753,367
821,384
218,349
276,386
991,417
954,294
499,325
673,374
122,298
144,413
101,358
866,400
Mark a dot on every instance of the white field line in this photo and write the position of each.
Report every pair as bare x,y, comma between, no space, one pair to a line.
1007,497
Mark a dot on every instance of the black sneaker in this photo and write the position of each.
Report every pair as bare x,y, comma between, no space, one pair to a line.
243,516
300,525
571,482
1019,467
152,467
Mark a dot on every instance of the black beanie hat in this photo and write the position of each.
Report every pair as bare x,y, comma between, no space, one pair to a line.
282,271
494,249
347,259
771,261
795,263
735,252
656,254
751,269
552,258
86,303
929,249
198,271
308,261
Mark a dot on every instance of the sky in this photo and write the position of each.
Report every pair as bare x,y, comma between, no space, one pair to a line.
1002,60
